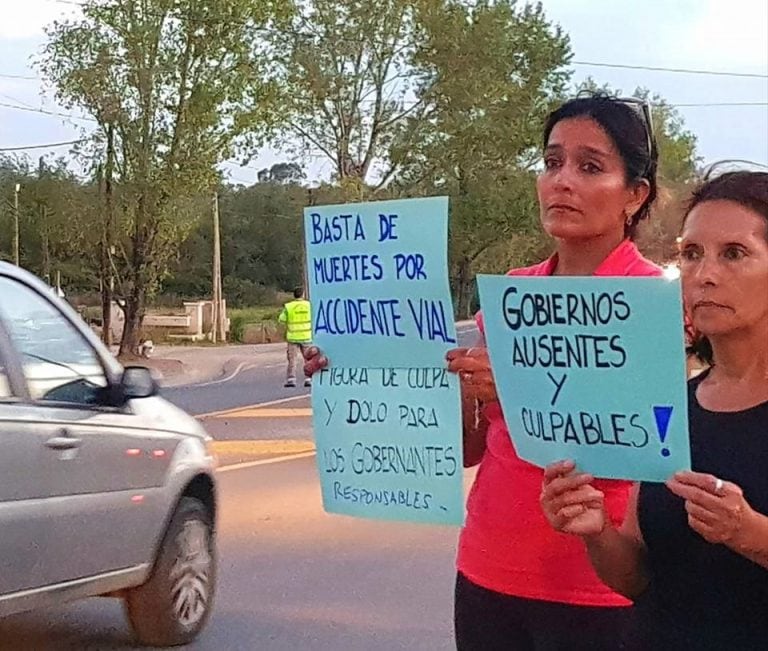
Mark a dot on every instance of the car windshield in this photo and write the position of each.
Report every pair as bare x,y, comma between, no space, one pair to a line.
58,363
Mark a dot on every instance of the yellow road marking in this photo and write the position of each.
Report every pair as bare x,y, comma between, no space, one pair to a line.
267,413
292,446
226,412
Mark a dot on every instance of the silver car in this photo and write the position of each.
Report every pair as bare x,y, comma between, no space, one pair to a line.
105,488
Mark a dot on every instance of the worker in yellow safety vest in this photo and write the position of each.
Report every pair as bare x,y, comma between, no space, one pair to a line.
297,317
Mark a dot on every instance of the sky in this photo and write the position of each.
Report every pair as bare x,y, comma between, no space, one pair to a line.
707,35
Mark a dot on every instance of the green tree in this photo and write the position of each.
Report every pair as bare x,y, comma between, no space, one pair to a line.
482,138
261,240
56,210
184,84
346,65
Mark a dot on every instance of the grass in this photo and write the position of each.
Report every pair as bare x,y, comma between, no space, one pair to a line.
241,318
256,314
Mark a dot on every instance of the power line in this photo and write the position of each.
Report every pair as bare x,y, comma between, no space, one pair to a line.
25,77
685,71
44,112
708,104
45,146
600,64
17,100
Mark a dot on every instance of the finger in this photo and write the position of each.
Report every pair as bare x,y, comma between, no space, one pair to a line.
702,528
459,364
570,512
559,468
477,352
701,480
584,495
456,353
315,364
478,378
558,486
701,514
695,494
472,364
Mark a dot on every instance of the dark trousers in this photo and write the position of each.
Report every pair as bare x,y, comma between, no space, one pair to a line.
489,621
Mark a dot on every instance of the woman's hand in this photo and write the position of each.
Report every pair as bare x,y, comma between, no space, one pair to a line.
314,361
716,509
570,503
473,367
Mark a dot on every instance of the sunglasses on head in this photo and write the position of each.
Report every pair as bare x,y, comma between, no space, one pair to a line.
640,106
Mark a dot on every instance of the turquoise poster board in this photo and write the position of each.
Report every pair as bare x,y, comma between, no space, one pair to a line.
591,369
386,414
378,281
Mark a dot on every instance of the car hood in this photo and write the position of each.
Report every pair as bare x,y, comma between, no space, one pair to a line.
166,416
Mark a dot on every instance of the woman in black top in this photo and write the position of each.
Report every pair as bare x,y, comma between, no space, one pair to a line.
693,552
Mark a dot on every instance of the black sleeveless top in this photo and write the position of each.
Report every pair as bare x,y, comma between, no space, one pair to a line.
705,596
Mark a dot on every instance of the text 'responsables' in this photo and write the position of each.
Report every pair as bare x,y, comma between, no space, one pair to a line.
369,455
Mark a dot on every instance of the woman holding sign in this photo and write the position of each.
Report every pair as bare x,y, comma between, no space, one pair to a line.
520,584
694,552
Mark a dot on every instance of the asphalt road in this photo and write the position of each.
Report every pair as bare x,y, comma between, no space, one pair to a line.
244,385
248,385
291,577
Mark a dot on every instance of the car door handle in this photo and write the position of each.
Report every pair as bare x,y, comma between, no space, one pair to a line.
65,441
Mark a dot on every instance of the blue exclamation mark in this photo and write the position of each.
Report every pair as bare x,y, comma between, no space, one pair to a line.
663,415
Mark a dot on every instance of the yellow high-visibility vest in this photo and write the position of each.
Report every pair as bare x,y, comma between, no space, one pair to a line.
297,316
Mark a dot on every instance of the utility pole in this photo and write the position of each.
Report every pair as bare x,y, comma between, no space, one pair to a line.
45,243
304,269
217,325
16,224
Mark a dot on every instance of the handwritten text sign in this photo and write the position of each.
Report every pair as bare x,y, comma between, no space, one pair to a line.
389,443
378,282
591,369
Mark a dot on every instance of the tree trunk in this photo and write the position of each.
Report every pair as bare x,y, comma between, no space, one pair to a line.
45,244
106,299
107,289
463,290
134,309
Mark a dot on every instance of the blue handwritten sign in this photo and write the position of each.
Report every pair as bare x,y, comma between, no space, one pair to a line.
378,282
591,369
389,443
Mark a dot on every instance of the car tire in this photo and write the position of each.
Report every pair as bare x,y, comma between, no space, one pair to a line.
172,607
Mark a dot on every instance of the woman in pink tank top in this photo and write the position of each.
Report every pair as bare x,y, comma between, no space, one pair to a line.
521,585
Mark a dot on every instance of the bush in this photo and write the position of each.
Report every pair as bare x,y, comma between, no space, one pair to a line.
237,325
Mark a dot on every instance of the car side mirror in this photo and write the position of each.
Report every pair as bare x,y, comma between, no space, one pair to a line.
137,382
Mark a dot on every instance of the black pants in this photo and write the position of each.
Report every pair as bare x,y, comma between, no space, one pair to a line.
489,621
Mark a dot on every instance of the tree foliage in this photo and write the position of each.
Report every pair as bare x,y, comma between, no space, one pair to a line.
183,83
414,98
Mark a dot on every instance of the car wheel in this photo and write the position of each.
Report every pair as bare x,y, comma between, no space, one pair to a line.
173,606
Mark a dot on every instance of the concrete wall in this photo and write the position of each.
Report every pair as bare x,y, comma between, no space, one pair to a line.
193,323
